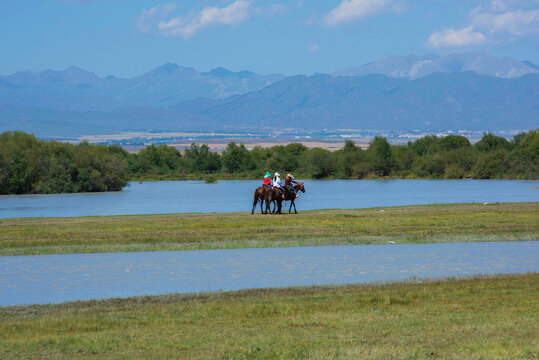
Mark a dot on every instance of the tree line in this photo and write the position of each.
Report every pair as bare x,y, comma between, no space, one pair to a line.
29,165
32,166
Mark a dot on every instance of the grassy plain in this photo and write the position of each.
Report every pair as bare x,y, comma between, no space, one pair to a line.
479,318
409,224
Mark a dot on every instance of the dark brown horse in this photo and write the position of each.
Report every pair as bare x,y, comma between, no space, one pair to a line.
289,195
259,195
273,195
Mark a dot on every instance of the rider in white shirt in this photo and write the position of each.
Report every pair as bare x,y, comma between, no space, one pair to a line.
276,181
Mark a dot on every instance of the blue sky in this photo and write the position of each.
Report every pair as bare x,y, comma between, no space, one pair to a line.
129,37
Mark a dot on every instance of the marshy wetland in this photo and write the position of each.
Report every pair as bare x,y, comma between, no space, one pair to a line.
479,317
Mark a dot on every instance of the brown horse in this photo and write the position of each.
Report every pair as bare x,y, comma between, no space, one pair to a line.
259,194
289,195
273,195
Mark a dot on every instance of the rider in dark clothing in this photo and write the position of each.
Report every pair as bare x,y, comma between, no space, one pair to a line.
288,184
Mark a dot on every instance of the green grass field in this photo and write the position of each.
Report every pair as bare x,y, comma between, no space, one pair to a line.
409,224
480,318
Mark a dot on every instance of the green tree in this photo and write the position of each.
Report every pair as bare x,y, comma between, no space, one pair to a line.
349,160
453,142
429,144
28,165
162,159
490,142
287,157
350,147
382,160
491,165
459,162
429,166
259,157
321,163
202,160
236,158
523,160
107,169
21,162
60,173
454,171
404,157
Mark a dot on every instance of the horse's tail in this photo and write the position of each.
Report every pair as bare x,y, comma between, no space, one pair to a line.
255,201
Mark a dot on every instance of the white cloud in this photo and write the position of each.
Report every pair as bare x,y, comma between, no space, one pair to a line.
148,18
448,38
350,10
211,16
494,21
515,23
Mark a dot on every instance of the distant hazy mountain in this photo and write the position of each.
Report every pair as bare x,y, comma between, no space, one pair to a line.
79,90
414,67
75,89
532,65
441,101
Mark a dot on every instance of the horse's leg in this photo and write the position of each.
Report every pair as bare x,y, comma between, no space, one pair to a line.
295,211
291,203
268,200
278,203
261,202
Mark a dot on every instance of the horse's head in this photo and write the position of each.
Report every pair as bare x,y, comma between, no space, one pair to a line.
300,187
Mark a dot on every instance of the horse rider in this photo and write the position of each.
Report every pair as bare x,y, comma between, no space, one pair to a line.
288,184
276,183
267,180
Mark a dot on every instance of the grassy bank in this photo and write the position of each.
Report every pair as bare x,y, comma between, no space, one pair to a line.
481,318
410,224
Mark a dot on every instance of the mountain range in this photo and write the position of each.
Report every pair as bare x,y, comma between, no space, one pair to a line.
462,91
414,67
167,85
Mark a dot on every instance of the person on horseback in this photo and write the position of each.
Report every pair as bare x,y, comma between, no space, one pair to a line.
288,184
276,183
267,180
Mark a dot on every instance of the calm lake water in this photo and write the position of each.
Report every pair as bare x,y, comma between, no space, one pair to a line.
231,196
59,278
